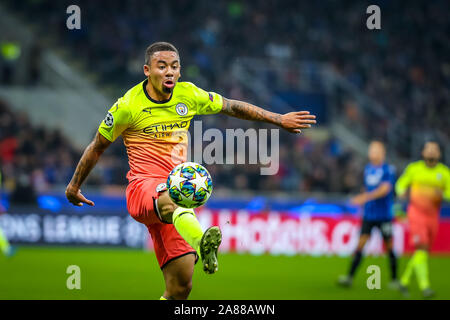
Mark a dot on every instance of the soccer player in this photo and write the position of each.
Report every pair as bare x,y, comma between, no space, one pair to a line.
153,118
5,247
428,183
377,201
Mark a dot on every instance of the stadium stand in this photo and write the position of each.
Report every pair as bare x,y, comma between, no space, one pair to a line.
410,83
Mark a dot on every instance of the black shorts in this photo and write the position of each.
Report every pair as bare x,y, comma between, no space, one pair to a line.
385,228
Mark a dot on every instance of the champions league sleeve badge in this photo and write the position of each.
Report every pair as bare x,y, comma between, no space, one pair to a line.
109,120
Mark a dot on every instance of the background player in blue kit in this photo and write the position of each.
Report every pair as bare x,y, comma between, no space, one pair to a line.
377,199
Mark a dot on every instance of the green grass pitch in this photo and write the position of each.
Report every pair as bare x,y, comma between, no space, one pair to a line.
40,273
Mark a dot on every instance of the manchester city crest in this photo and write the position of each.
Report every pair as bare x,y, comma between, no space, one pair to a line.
181,109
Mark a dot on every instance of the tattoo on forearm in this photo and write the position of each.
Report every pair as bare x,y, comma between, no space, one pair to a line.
247,111
88,161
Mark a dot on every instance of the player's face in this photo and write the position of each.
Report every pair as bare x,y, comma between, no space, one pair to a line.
164,71
377,153
431,154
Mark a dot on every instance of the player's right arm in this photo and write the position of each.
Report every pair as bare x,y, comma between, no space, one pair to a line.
116,121
87,162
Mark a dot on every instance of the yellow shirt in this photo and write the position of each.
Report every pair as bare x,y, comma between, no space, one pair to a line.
155,132
428,186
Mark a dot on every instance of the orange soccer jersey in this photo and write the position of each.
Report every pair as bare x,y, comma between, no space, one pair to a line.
155,132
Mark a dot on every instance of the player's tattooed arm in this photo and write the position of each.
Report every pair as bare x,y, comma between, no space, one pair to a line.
88,160
292,121
247,111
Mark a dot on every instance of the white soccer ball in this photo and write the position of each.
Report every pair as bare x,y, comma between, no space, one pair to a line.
189,185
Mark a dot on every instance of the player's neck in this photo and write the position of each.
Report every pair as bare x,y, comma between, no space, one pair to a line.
155,94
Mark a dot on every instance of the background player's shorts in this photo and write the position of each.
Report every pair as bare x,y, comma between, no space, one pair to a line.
423,227
385,228
141,204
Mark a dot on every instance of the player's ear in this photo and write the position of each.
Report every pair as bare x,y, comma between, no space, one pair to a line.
146,70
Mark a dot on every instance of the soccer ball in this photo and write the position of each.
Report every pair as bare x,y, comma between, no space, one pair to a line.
190,185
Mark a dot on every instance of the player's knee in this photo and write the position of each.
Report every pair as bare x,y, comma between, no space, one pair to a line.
166,210
166,207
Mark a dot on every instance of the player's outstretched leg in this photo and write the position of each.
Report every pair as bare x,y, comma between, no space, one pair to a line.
206,244
347,280
183,219
208,249
187,225
394,284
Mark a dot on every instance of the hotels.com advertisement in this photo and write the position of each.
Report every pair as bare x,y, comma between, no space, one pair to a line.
284,233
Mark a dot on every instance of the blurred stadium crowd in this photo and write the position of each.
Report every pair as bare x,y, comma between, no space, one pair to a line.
33,158
404,66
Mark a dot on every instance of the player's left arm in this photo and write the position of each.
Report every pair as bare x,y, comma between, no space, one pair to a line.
292,121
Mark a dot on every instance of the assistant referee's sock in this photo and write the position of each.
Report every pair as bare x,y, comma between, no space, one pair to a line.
188,226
